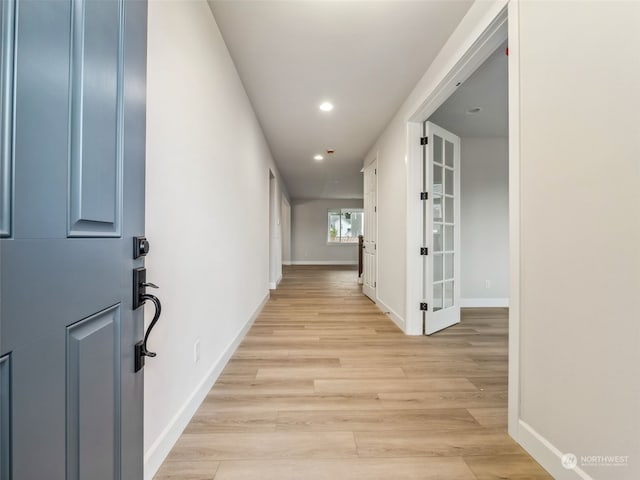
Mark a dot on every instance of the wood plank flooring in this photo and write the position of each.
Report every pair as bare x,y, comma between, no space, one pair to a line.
326,387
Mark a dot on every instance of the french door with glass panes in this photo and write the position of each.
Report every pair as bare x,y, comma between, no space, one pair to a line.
441,232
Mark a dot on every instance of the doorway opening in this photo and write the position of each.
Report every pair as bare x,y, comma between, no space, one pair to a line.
369,247
275,237
467,58
466,217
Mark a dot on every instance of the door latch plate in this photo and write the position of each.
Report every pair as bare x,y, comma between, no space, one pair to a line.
139,289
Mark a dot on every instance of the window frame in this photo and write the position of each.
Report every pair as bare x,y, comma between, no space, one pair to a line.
341,211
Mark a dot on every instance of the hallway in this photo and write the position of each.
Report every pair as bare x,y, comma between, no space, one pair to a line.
325,386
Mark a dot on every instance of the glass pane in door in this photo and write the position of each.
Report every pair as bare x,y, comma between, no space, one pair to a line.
437,180
437,150
448,266
437,268
444,198
437,209
437,297
448,294
448,153
448,181
448,209
437,237
448,238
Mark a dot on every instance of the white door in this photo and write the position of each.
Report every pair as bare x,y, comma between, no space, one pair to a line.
441,235
275,249
370,230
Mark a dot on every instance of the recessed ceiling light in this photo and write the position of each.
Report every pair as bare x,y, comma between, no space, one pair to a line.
474,110
318,157
326,106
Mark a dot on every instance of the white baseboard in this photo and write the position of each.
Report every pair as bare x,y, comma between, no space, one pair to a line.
286,262
274,285
157,453
484,302
397,319
324,262
546,454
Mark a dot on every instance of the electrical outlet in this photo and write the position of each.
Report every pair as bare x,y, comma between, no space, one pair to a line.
196,351
487,284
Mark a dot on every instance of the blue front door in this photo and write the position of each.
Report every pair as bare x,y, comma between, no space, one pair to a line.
72,140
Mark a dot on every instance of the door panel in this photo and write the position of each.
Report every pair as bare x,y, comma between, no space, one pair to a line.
41,96
6,92
93,378
38,408
5,416
441,178
96,156
66,318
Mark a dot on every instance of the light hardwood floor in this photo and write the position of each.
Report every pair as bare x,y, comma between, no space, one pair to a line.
326,387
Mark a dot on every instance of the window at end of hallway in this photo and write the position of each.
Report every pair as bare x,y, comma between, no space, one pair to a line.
344,225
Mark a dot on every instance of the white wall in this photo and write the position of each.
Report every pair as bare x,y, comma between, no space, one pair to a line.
580,228
309,233
579,223
207,213
484,221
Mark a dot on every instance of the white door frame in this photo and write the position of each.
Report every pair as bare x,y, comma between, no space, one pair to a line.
475,51
285,227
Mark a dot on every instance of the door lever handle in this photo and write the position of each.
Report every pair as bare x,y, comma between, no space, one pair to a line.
141,349
140,296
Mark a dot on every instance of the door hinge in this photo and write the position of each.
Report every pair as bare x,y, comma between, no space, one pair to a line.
375,171
424,195
424,141
424,306
424,251
375,284
375,209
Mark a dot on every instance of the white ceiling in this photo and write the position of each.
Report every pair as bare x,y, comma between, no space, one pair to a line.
363,56
487,88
